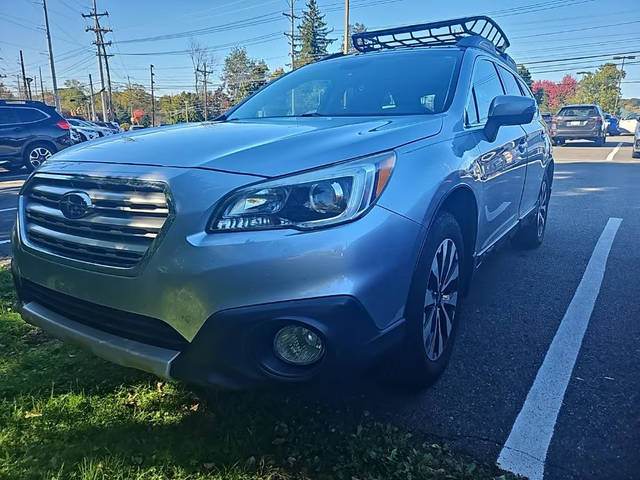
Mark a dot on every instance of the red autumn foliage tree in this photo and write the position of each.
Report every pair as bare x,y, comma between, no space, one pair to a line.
553,95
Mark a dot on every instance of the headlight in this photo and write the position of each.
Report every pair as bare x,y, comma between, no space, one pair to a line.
314,199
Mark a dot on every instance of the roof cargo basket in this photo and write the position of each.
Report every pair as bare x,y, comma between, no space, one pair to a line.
447,32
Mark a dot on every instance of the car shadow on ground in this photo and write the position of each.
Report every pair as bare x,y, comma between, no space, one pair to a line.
586,143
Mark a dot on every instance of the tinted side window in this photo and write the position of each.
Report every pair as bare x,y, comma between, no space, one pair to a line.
8,115
486,87
526,91
26,115
509,81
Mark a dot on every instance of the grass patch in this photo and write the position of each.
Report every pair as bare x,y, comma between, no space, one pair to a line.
65,414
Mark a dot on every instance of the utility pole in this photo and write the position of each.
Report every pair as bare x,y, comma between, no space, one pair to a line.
130,99
153,101
99,46
29,80
93,102
41,84
24,78
35,86
345,46
623,58
106,64
292,34
205,72
19,86
56,98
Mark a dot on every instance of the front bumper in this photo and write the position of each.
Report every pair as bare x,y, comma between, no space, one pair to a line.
227,294
233,349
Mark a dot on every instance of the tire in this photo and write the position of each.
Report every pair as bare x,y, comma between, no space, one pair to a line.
558,142
36,154
433,305
531,234
635,154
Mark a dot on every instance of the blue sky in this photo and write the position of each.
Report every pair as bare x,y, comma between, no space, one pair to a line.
539,30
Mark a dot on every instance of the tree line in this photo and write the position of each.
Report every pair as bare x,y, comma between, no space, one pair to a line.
601,87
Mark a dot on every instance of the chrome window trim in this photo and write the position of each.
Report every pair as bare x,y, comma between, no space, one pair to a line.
124,271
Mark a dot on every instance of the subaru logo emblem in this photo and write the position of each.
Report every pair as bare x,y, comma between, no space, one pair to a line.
75,205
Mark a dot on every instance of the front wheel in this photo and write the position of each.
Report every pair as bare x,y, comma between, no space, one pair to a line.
36,155
433,304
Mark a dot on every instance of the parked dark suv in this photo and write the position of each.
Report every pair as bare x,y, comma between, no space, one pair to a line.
30,132
579,122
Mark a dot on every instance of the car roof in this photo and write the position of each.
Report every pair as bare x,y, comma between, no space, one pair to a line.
577,105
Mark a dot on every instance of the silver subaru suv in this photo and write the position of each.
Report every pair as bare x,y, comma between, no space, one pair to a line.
330,222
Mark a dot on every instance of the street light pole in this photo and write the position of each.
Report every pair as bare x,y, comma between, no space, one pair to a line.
153,101
345,45
623,58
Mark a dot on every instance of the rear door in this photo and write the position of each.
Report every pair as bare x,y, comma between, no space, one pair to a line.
501,165
538,145
11,133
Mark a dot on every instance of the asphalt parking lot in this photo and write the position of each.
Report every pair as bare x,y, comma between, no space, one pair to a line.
518,303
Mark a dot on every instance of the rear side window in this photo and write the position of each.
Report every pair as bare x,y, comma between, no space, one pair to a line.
509,82
578,112
28,115
526,91
486,87
8,115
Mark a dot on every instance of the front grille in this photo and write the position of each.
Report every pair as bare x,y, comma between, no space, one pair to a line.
140,328
124,218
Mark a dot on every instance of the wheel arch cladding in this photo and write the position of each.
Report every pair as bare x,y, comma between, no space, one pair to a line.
462,204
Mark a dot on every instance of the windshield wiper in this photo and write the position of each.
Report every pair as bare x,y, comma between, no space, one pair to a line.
311,114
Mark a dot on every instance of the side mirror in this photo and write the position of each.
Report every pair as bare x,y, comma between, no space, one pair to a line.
508,110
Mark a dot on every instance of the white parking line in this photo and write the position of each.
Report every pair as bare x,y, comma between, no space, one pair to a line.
525,450
613,152
7,209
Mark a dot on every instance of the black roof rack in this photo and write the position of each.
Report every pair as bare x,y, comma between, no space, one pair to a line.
447,32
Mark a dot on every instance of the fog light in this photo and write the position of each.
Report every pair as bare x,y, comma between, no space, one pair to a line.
298,345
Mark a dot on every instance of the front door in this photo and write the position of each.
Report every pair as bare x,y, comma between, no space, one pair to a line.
501,164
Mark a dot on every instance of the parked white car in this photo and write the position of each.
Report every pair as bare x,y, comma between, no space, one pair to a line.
82,130
628,124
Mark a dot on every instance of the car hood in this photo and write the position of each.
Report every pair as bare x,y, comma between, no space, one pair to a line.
264,147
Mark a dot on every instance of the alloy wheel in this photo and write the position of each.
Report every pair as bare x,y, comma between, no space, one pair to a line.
441,299
38,155
543,203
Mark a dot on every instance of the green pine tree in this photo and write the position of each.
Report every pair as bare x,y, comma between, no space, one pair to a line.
313,37
525,74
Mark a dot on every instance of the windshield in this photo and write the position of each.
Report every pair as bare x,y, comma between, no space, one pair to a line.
402,83
578,112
